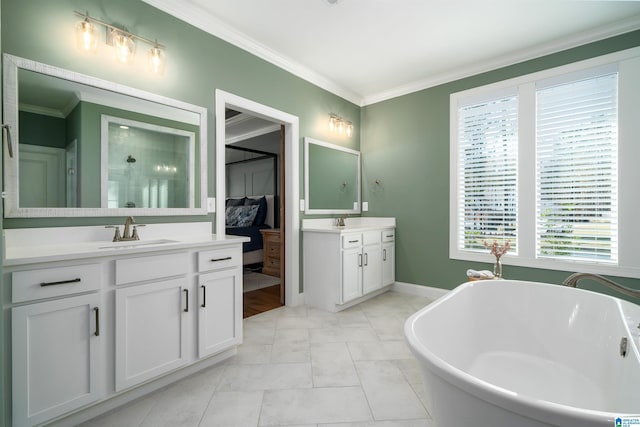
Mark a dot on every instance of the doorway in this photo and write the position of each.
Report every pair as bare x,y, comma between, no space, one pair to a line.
289,220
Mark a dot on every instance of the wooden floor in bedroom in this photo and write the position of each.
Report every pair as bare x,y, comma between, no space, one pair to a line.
261,300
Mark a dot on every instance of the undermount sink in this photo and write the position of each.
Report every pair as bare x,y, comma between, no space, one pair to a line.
136,243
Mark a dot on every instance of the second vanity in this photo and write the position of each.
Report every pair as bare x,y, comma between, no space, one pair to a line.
92,323
345,265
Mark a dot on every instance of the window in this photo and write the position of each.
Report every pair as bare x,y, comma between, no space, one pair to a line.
577,169
488,151
547,162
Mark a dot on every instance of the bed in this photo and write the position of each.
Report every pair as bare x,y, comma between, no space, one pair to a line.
245,220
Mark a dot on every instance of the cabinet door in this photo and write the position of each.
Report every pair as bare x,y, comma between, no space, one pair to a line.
351,274
151,330
219,311
56,348
388,263
372,268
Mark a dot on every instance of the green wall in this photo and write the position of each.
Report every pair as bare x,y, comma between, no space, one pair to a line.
197,64
38,129
405,145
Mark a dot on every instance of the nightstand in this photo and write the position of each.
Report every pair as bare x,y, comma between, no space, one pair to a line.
271,249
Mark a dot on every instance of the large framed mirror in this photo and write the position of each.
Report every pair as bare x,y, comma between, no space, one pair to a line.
83,146
331,178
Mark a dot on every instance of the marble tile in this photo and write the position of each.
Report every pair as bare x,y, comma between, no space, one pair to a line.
319,405
332,366
252,354
394,423
233,408
381,350
300,367
337,334
394,402
130,415
266,377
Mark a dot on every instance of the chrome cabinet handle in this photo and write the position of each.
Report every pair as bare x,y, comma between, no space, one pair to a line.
186,308
220,259
204,296
354,241
359,260
61,282
366,259
384,254
97,313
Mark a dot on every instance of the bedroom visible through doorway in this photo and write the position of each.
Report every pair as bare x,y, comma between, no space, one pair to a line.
254,149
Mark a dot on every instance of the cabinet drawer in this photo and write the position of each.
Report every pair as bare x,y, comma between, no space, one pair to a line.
388,235
217,259
151,267
370,237
54,282
351,240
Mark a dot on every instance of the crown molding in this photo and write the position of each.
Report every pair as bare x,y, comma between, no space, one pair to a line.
203,20
586,37
208,23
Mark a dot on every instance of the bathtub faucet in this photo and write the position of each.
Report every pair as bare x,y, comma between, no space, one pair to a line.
573,282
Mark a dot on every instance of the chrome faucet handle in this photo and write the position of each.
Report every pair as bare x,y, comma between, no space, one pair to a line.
116,235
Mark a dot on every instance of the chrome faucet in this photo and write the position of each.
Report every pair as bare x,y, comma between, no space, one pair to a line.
126,235
573,282
339,221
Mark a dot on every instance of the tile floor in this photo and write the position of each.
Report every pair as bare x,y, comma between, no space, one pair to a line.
300,366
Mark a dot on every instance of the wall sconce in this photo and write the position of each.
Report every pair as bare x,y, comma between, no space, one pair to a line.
122,41
340,125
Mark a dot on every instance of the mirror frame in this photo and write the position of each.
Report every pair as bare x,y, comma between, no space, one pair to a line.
11,64
307,209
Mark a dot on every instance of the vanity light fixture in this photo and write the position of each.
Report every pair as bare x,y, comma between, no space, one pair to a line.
122,41
340,125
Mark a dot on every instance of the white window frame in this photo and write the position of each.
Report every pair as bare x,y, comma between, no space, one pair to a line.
628,265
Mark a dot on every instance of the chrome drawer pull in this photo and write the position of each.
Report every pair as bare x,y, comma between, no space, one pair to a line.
221,259
354,241
186,298
62,282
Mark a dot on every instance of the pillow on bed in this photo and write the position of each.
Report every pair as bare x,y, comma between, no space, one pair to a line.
235,202
261,202
241,216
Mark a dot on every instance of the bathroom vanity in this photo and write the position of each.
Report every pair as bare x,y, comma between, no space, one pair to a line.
345,265
94,323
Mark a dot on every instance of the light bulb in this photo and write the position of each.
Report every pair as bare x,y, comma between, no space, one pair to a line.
340,127
349,129
156,60
86,36
124,46
332,122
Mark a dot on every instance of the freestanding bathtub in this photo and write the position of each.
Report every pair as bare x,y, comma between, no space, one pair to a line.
504,353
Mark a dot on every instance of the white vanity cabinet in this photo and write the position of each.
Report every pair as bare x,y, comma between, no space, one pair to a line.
105,323
344,266
150,317
219,300
57,342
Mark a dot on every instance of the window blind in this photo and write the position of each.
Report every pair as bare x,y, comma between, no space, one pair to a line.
577,169
488,151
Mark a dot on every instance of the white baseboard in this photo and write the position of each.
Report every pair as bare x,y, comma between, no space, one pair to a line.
419,290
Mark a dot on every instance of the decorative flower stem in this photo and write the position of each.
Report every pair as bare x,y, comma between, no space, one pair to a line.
497,251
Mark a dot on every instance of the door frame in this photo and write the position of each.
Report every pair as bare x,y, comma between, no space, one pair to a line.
291,168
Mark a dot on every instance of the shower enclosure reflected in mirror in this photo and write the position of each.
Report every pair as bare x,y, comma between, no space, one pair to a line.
331,178
60,156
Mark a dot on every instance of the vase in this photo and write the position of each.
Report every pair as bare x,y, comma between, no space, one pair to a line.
497,269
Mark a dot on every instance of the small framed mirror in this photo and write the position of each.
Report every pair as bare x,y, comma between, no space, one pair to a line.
331,178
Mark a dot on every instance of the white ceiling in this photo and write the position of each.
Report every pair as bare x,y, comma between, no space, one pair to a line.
370,50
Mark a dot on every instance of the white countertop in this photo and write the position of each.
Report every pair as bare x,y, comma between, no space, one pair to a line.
36,245
355,224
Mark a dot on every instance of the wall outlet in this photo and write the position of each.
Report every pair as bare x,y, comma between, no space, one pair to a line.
355,206
365,206
211,204
302,204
